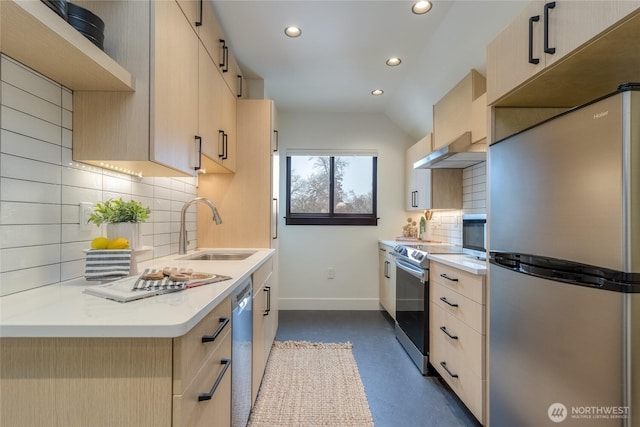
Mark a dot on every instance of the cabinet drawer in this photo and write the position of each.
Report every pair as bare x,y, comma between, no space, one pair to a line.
188,411
467,385
468,284
190,352
459,306
462,343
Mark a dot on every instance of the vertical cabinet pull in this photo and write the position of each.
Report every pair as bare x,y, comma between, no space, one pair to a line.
239,95
444,365
267,289
225,146
199,152
222,147
208,396
386,269
547,49
222,63
532,60
224,321
277,141
199,21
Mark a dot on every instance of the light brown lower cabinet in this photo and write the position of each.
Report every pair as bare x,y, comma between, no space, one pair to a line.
265,322
155,382
457,333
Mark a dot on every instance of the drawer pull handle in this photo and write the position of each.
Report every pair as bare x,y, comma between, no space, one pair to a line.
446,301
267,289
444,329
444,365
208,396
444,276
224,321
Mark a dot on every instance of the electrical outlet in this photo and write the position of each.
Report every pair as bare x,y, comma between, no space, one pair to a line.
331,273
86,208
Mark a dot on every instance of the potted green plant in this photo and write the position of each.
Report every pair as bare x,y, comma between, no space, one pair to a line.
122,218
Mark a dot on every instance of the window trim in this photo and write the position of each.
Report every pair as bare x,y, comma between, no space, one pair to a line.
333,218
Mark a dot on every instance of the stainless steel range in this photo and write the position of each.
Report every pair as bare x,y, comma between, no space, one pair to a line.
412,299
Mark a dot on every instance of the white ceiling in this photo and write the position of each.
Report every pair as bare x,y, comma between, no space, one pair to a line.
340,56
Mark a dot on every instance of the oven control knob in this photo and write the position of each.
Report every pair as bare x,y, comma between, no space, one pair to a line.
419,256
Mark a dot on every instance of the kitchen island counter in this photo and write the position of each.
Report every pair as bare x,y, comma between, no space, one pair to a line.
63,310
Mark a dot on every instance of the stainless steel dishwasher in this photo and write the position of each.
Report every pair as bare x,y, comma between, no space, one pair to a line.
242,334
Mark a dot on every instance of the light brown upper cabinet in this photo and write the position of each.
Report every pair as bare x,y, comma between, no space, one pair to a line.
542,35
452,115
151,131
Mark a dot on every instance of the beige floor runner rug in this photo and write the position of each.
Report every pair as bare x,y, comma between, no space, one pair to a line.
311,384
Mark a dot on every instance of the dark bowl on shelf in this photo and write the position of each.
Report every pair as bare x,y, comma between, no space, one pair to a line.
86,28
78,12
58,6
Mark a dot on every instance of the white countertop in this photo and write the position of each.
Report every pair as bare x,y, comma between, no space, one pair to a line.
63,310
461,261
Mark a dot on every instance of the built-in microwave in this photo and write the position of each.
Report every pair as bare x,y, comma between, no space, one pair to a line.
474,235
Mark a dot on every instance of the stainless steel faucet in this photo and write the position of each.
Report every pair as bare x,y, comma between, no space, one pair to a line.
182,245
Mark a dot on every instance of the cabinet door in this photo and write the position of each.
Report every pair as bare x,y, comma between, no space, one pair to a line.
417,180
573,23
175,89
390,292
209,106
229,128
259,358
508,54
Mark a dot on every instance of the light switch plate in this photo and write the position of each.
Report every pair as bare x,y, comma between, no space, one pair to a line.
86,208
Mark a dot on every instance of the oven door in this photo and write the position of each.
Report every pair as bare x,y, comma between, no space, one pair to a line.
411,300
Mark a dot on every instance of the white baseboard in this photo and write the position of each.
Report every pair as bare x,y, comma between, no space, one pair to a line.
329,304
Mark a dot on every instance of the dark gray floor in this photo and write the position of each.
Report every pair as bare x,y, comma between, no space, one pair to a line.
398,394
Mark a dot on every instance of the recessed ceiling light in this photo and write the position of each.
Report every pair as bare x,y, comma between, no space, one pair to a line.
420,7
377,92
392,62
293,31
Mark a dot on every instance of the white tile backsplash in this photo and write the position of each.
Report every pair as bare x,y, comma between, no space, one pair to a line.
41,242
474,188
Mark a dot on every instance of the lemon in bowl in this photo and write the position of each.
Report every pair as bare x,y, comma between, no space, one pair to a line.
99,243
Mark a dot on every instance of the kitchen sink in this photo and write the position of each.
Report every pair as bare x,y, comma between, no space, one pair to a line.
218,256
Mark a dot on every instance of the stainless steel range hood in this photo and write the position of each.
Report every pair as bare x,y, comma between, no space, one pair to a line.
461,153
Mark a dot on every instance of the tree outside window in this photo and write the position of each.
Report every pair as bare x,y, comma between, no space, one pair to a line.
331,190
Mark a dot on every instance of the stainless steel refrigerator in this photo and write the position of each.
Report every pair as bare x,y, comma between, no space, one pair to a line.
564,272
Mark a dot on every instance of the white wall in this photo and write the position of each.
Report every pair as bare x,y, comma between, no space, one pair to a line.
306,252
41,242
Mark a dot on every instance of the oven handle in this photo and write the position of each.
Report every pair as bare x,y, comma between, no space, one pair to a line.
415,272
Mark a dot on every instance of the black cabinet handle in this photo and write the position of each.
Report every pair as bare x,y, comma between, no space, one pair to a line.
446,301
199,155
547,49
220,143
532,60
224,321
277,144
444,275
223,57
444,329
239,86
208,396
226,59
199,21
267,289
444,365
225,146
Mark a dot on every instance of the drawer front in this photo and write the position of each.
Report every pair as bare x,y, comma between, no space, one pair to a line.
468,284
190,352
461,307
450,364
189,411
461,343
